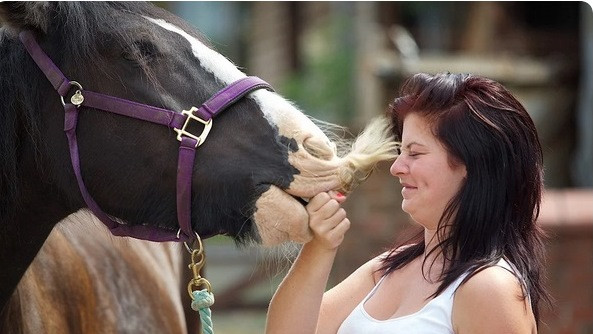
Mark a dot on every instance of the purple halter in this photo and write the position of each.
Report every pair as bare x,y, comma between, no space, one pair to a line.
178,121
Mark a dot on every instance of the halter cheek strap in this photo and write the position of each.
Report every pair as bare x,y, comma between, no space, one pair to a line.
178,121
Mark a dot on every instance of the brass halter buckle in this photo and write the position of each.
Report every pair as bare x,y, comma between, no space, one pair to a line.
183,132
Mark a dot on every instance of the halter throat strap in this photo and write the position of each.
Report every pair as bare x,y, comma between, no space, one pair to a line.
178,121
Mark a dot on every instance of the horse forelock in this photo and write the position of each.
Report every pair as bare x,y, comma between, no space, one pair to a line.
82,31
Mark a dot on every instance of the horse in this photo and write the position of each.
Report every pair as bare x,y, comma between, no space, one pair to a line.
82,85
84,280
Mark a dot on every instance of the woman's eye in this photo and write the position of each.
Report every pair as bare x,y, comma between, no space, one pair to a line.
413,154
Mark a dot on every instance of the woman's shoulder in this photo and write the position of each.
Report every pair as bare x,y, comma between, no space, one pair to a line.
492,293
494,281
377,264
373,267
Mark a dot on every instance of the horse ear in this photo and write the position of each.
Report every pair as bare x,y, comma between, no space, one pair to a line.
24,15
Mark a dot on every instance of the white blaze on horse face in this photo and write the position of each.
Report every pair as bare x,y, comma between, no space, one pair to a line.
278,111
211,61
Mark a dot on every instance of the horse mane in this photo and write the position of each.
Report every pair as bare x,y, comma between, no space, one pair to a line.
13,125
78,27
79,23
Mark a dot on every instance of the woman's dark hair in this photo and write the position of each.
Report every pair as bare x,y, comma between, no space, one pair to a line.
482,126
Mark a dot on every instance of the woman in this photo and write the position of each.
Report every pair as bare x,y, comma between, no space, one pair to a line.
471,171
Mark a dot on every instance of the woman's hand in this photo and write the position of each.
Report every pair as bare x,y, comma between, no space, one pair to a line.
327,219
306,280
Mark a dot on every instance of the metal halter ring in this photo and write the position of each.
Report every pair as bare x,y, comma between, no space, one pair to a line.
198,240
77,98
198,283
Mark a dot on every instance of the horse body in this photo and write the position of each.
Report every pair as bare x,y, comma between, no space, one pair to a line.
86,281
262,154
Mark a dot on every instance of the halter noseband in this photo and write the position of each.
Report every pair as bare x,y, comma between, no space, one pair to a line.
178,121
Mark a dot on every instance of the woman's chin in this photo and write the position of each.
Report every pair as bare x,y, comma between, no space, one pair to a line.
410,209
406,207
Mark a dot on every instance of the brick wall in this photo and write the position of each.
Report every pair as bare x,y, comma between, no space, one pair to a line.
567,217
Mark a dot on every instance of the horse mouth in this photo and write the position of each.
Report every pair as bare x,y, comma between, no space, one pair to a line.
281,217
304,201
280,212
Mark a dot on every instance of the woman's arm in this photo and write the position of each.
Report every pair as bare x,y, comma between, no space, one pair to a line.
339,302
299,305
295,305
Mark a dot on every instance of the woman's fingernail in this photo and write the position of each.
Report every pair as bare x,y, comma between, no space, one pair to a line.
339,194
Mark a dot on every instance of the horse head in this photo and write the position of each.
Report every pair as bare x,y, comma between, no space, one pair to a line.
261,158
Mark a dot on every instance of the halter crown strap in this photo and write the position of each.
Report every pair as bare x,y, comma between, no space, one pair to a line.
219,102
51,71
229,95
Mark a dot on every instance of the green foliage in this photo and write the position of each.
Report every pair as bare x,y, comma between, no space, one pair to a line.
324,87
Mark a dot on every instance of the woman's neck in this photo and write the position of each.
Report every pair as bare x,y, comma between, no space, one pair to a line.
432,258
430,241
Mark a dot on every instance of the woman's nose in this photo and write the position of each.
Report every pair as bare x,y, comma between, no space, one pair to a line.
398,167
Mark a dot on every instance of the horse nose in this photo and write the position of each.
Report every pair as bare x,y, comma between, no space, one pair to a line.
320,148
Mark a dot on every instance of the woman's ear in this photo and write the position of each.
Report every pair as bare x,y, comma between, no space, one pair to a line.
16,16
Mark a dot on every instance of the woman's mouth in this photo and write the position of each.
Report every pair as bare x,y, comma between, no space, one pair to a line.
407,190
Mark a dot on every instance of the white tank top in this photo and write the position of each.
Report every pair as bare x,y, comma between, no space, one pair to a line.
433,318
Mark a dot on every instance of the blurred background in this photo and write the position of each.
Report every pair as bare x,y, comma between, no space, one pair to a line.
343,62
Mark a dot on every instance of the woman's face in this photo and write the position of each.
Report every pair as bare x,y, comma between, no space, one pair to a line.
429,181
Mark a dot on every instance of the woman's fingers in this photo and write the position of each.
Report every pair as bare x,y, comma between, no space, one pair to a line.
338,232
328,209
321,199
323,225
317,202
338,196
327,219
334,237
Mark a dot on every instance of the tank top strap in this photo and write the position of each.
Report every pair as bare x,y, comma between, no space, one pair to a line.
503,263
452,288
370,294
510,267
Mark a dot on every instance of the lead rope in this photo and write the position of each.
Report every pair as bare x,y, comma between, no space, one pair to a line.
202,299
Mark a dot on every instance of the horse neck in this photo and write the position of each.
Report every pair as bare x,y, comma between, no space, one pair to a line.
36,210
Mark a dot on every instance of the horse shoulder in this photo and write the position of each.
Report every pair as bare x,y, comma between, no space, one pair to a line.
86,281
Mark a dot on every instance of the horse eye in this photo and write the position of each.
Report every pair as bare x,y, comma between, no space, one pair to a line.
140,51
128,55
147,49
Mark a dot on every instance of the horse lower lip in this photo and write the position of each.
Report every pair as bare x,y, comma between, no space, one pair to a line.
304,201
280,217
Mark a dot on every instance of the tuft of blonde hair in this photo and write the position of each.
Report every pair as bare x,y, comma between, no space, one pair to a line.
374,144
